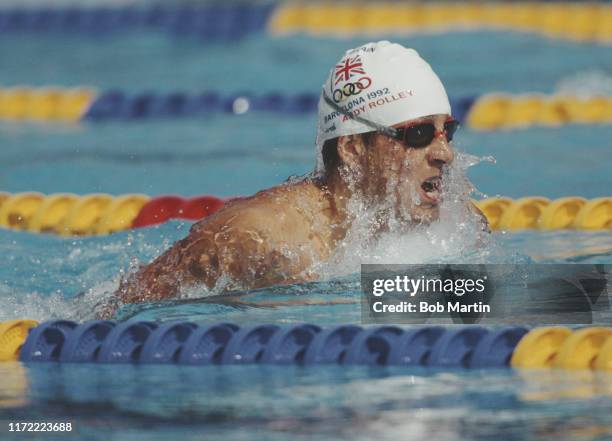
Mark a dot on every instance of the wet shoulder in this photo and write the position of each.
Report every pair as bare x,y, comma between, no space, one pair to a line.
283,213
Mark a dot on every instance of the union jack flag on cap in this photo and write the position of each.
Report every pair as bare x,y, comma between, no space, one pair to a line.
347,68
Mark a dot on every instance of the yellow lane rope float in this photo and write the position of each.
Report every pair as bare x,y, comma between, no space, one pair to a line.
559,347
502,111
44,104
120,213
539,347
603,361
581,349
585,22
93,214
542,214
85,214
12,335
68,214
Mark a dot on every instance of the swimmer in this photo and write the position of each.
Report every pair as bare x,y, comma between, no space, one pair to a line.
385,135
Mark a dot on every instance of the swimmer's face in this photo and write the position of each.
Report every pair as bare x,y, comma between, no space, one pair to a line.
408,178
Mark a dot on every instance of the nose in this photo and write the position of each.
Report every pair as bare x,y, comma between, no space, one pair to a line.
440,152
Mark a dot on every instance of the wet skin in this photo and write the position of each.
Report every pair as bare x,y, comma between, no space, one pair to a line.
275,236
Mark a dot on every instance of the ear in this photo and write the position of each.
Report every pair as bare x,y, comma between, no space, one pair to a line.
351,150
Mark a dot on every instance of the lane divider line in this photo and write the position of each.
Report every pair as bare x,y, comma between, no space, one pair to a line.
582,22
306,344
496,111
96,214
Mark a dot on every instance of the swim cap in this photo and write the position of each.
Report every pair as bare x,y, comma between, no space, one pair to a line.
384,83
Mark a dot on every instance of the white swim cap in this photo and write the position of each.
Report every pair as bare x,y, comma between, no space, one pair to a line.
384,83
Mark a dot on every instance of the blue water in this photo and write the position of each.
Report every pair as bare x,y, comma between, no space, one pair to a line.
47,277
332,403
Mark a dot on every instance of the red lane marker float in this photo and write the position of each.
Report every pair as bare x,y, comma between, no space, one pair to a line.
198,207
158,210
164,208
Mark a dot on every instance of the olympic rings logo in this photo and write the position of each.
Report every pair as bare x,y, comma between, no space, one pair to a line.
351,89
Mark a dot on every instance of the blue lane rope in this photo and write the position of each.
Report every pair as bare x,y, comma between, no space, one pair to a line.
302,344
115,104
212,22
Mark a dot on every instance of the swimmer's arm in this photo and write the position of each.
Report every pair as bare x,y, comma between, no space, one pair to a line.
247,249
254,254
157,280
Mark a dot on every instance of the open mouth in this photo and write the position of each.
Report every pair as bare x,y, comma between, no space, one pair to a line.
432,189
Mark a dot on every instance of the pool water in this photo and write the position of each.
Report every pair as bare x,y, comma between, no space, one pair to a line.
44,277
320,403
50,277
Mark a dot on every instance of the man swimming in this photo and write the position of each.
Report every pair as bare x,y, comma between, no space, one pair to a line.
384,140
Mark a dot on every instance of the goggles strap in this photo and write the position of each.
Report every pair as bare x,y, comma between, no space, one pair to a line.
385,130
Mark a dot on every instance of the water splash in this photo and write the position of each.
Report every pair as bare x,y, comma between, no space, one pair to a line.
47,277
457,236
82,275
56,305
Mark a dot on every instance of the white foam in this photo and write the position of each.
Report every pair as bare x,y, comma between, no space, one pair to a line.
39,306
456,236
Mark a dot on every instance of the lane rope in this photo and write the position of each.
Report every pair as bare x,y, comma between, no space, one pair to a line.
488,112
536,212
582,22
576,21
217,22
305,344
94,214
